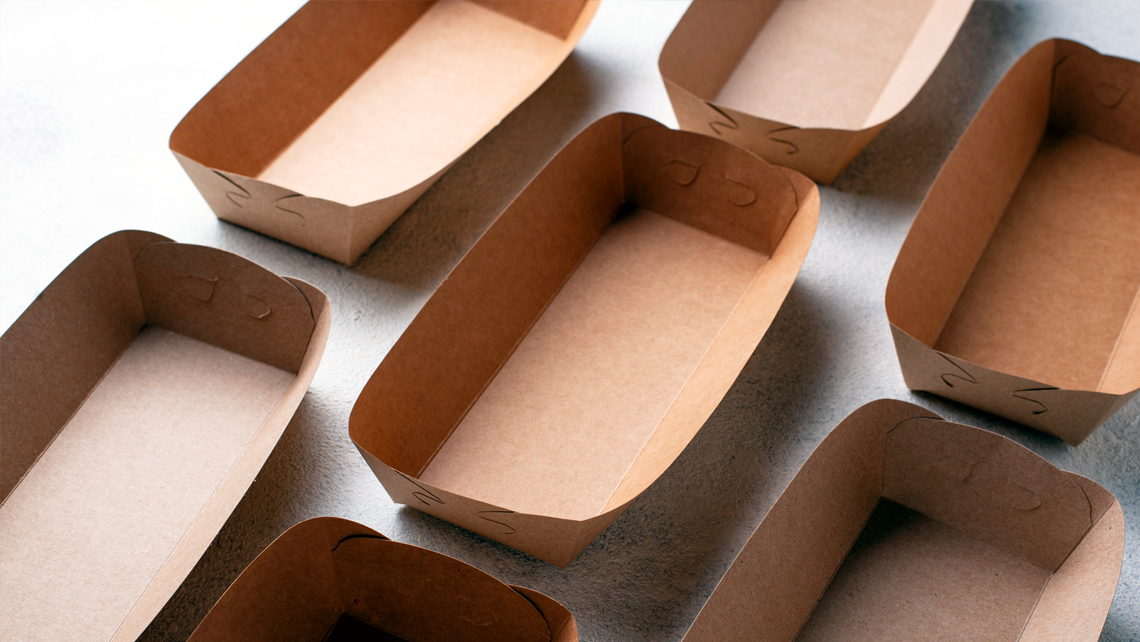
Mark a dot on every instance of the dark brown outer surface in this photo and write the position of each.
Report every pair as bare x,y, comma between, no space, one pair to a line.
323,568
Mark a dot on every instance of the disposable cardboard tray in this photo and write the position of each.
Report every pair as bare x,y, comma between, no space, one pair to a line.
332,580
1016,289
350,111
805,84
139,395
585,338
903,527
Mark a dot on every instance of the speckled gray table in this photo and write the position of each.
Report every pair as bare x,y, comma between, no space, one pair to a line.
89,93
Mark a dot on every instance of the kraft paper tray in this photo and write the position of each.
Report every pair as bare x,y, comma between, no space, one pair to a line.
332,580
902,526
806,84
585,338
140,394
351,110
1017,290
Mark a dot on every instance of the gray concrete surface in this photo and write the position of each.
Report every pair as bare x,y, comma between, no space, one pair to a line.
89,93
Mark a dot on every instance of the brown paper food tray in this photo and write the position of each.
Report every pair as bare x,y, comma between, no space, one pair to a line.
1016,289
139,395
350,111
804,84
902,526
333,580
585,338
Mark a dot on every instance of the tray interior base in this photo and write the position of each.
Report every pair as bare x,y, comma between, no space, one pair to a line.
98,515
559,426
1052,291
823,63
418,107
909,577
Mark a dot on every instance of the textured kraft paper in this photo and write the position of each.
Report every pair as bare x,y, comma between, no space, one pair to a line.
333,580
902,526
139,395
351,110
584,339
1016,289
805,84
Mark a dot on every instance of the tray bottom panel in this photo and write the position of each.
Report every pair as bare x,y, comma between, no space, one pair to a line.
909,577
455,73
97,516
823,63
1052,291
561,423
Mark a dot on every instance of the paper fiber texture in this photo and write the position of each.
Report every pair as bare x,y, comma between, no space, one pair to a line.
580,344
902,526
806,84
1016,289
333,579
139,395
351,110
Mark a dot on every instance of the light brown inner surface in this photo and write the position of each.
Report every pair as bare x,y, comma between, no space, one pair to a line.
1054,286
823,63
909,577
110,498
561,423
424,102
